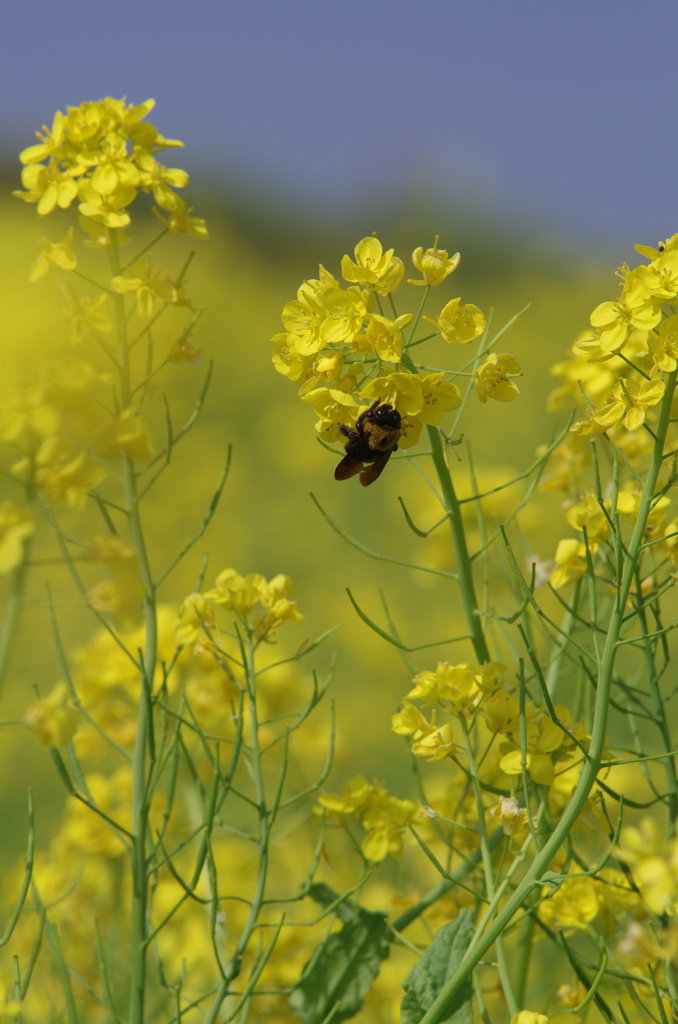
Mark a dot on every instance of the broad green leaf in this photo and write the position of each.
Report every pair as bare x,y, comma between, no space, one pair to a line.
336,979
430,973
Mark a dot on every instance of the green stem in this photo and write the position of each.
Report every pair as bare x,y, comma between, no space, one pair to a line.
488,870
140,793
453,509
484,940
464,567
265,817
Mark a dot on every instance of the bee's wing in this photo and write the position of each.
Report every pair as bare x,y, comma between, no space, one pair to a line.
348,467
370,473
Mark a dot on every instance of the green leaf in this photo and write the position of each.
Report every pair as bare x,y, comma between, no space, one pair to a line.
430,973
336,979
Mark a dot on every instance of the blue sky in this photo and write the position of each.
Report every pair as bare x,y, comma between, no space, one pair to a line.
563,114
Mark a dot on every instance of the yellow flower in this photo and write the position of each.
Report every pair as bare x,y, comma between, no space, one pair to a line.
432,741
653,859
48,186
146,283
629,402
404,391
588,514
62,478
287,360
379,270
663,345
180,222
434,265
160,180
492,377
573,904
543,738
132,436
459,324
529,1017
55,254
16,526
275,598
383,336
196,615
457,687
616,320
238,593
87,315
53,717
570,561
353,800
510,814
440,396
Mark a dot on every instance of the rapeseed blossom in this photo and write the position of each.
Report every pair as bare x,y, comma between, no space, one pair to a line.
103,155
344,349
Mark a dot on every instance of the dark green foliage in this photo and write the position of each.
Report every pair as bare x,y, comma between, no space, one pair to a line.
336,979
424,982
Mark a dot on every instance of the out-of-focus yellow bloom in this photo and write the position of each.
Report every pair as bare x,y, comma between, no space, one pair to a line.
573,904
570,996
434,265
280,608
587,514
542,739
132,436
59,476
663,345
16,526
459,324
55,254
493,377
87,315
384,817
147,284
529,1017
238,593
384,821
104,154
509,814
180,221
570,561
653,860
53,717
196,614
353,800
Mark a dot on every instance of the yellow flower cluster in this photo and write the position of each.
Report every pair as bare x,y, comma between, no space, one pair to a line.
579,899
463,690
618,367
237,594
103,154
337,340
618,372
383,817
653,861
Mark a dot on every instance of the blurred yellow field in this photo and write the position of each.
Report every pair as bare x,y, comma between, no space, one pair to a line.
452,760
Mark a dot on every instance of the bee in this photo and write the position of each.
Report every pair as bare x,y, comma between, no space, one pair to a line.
370,444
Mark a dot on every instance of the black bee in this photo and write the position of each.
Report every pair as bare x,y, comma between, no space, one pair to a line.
370,444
